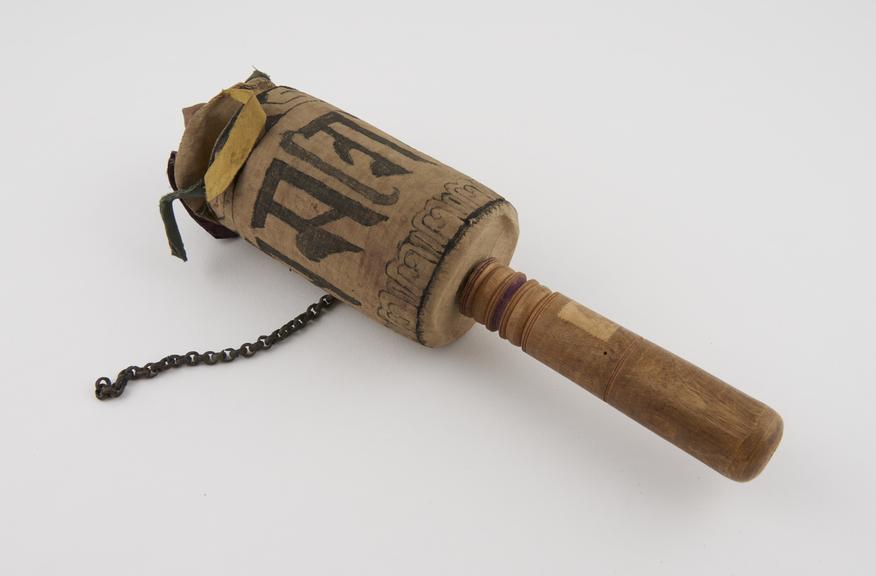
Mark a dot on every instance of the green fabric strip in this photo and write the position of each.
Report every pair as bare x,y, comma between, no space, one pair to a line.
165,206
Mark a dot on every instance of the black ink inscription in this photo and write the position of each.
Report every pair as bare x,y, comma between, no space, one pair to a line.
280,101
321,164
380,165
281,95
314,242
315,279
368,192
436,229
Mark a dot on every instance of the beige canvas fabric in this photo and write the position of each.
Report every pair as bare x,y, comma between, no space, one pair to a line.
382,226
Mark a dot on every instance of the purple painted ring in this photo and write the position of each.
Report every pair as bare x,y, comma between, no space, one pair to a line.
518,281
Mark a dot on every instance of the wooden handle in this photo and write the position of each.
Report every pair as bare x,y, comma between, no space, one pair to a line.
707,418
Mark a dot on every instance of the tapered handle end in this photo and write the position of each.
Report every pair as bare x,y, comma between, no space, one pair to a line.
723,427
757,449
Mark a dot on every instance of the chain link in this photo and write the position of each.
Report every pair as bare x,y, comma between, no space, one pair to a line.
106,389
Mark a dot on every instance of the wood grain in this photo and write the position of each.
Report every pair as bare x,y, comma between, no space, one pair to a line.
704,416
419,247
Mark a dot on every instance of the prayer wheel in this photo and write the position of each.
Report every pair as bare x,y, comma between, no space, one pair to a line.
424,250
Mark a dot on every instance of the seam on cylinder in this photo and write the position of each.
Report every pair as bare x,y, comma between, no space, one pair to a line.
499,304
512,305
620,364
470,287
469,221
482,278
533,318
496,296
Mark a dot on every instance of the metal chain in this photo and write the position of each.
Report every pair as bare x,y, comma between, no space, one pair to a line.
105,389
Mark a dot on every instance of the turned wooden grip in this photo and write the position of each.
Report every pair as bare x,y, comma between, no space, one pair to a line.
704,416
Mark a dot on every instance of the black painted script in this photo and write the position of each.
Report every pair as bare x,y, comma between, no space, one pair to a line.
338,193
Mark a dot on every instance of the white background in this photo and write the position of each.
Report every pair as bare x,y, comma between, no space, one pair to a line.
700,172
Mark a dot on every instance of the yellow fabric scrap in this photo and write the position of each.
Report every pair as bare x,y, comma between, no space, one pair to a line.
241,140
